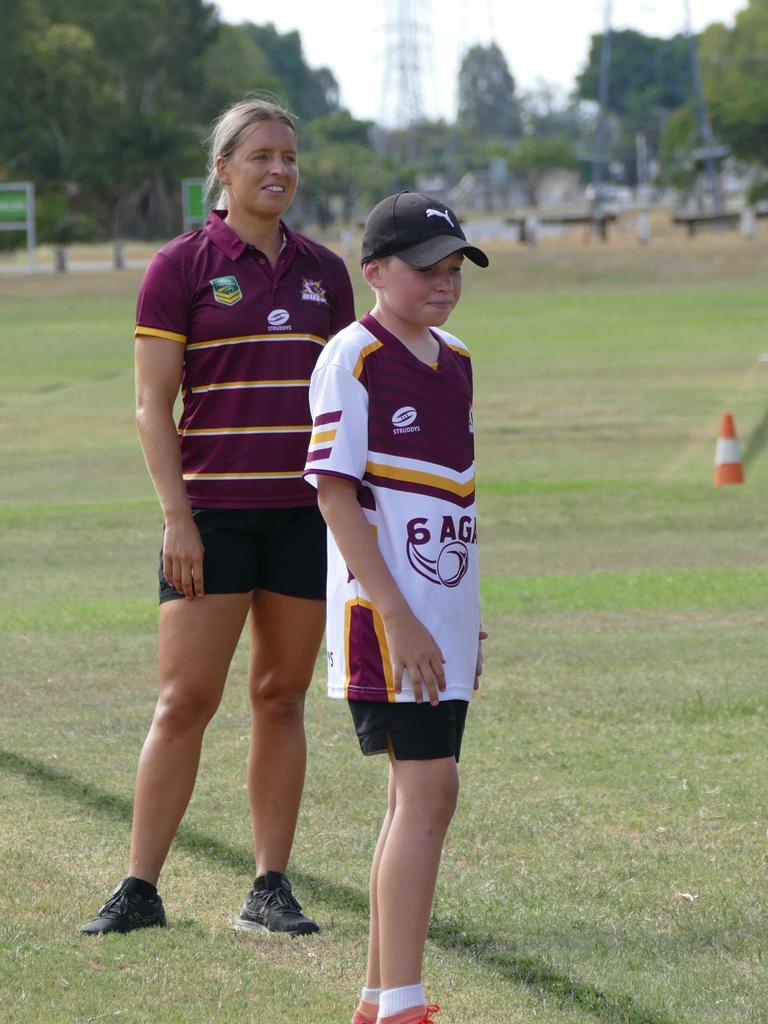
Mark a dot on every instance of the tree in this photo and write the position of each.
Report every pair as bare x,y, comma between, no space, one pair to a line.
735,77
546,113
154,48
336,161
235,65
46,124
488,107
649,78
533,157
678,140
308,92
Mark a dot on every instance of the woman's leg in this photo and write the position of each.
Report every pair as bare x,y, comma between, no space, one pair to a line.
285,638
197,641
425,800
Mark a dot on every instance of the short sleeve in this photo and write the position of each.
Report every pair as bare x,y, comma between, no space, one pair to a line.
339,442
162,308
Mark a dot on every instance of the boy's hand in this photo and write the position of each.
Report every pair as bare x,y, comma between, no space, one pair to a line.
412,649
479,665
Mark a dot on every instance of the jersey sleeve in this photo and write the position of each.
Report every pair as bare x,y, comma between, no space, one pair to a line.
343,305
162,308
339,442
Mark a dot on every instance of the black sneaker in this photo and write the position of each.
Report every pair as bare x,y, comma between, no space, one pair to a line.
127,910
270,906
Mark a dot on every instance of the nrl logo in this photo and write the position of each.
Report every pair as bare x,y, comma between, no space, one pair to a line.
226,290
440,213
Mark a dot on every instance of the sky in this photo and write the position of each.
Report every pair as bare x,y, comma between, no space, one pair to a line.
542,40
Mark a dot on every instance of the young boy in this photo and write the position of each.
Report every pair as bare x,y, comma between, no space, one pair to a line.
392,457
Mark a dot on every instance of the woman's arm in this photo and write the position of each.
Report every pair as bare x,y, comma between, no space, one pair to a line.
412,647
159,366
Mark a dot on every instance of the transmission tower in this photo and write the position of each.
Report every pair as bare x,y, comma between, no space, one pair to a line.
405,57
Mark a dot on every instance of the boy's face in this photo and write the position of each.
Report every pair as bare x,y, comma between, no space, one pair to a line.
419,297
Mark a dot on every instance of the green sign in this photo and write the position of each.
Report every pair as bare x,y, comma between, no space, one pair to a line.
193,204
14,207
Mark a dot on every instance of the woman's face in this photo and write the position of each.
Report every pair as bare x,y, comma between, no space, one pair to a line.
262,172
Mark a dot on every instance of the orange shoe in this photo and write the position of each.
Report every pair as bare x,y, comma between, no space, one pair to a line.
403,1018
360,1018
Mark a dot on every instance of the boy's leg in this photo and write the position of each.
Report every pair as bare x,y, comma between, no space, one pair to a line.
368,1007
425,800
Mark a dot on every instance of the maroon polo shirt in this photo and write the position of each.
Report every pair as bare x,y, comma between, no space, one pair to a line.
252,336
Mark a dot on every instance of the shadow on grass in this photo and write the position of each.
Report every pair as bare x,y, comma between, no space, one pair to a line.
758,439
490,954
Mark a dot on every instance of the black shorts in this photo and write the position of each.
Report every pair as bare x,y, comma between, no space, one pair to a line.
282,550
417,732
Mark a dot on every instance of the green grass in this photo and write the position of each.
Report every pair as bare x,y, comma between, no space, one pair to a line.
607,862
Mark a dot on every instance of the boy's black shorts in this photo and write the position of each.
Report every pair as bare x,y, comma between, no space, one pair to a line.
282,550
417,732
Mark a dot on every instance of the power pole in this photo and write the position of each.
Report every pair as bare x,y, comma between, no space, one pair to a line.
708,150
599,157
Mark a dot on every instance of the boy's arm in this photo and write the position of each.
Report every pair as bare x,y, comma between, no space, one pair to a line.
412,647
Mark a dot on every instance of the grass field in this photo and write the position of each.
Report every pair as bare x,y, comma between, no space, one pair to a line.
607,863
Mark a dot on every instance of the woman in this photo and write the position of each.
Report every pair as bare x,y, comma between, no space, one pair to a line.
235,315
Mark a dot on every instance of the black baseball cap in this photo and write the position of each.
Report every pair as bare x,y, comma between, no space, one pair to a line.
417,229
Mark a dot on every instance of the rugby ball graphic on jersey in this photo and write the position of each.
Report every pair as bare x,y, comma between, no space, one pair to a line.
278,317
452,563
404,416
447,570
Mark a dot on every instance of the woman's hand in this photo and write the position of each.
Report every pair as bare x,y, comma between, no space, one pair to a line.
183,555
479,665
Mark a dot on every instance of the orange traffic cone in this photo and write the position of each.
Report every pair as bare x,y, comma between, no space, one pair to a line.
728,467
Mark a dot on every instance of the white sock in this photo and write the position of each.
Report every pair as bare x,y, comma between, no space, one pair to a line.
395,1000
371,995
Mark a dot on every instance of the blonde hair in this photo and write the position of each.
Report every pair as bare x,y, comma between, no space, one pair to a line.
228,129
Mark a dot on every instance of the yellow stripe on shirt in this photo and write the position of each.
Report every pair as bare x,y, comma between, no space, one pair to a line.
364,353
234,385
211,431
381,637
415,476
322,435
154,332
246,339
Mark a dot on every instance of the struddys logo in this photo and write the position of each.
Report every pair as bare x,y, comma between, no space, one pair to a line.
441,555
313,291
278,320
404,421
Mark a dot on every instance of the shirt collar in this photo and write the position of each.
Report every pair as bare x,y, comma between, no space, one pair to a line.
232,246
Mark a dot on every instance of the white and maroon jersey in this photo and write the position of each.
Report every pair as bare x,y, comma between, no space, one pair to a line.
251,339
403,431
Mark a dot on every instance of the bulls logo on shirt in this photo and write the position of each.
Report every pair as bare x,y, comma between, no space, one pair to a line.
313,291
